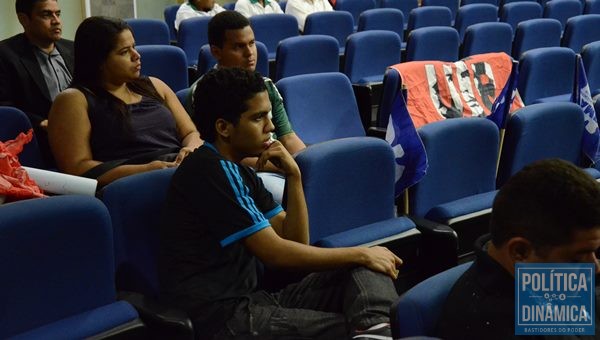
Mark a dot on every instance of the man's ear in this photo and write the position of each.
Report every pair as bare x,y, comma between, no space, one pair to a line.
216,52
223,128
23,19
519,249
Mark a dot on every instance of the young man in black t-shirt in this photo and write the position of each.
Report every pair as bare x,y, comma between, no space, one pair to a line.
220,219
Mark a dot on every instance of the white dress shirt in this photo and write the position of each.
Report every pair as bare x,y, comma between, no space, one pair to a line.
253,7
186,11
302,8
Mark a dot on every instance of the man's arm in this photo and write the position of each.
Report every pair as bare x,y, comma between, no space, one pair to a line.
292,143
277,252
292,224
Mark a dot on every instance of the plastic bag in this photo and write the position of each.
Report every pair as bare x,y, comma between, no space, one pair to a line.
15,184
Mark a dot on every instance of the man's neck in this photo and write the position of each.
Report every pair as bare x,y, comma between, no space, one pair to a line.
501,257
227,151
42,45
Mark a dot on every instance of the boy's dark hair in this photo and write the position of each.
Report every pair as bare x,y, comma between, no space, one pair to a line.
220,23
26,6
545,203
223,93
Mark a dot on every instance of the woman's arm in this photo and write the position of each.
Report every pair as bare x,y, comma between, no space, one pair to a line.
188,134
69,132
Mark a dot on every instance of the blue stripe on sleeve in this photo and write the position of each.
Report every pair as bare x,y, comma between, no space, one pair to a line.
246,194
244,233
273,212
236,186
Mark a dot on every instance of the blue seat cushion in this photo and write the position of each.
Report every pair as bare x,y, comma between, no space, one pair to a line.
368,233
371,79
85,324
560,98
461,207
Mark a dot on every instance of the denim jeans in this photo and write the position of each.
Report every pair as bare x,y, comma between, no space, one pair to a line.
325,305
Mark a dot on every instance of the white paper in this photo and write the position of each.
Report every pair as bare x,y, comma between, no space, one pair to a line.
63,184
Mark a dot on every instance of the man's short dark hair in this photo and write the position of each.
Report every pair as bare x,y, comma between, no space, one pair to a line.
544,203
220,23
26,6
223,93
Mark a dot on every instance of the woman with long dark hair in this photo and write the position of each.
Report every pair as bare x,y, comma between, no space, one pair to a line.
112,122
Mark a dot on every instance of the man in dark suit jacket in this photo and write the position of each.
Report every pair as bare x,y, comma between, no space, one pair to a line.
23,82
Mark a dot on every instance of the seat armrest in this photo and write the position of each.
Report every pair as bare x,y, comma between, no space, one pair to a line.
439,248
162,321
375,131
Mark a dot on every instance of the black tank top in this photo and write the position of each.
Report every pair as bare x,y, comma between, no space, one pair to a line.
151,127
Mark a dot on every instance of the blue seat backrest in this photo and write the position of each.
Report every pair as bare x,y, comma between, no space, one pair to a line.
536,33
135,204
554,67
338,24
541,131
417,311
581,30
168,63
306,54
429,16
369,53
433,43
192,34
591,61
270,29
487,37
452,5
170,13
149,31
314,115
387,19
12,122
515,12
462,155
354,7
56,256
353,177
473,14
562,10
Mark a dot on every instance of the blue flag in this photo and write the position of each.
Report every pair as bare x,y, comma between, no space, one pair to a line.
501,107
582,96
409,152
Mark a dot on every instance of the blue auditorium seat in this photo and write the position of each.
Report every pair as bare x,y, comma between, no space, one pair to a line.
487,37
536,33
369,53
314,115
404,5
471,2
433,43
57,264
590,54
541,131
562,10
166,62
429,16
473,14
338,24
460,182
391,85
354,7
149,31
591,7
581,30
306,54
170,13
271,28
452,5
135,204
417,311
515,12
192,34
386,19
546,75
349,188
14,121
